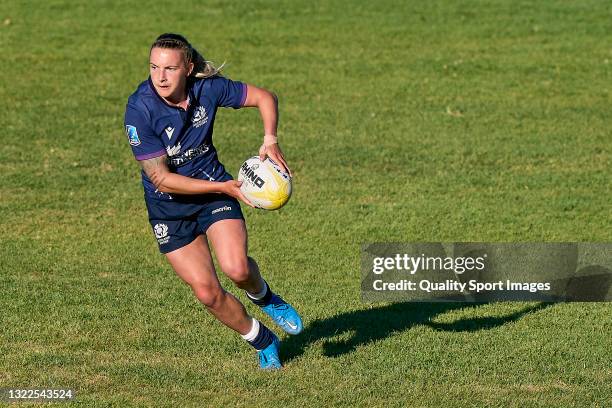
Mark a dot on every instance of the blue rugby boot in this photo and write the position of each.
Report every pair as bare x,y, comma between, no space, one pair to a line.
284,315
281,312
268,357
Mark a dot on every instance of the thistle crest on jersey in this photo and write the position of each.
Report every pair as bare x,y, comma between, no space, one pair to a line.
199,117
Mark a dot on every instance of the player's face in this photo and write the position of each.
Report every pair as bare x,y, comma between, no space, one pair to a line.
169,73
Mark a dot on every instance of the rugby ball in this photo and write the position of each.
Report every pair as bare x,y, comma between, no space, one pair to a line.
264,183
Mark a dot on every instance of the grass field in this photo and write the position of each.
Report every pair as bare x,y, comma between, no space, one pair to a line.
402,121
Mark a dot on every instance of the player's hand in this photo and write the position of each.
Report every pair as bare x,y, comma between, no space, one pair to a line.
232,188
274,152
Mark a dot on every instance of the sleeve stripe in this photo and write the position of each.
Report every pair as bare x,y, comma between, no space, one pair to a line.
244,94
150,155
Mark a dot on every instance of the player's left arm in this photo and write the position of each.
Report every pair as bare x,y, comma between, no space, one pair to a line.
267,103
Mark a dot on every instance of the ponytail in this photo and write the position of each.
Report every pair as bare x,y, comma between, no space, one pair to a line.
203,68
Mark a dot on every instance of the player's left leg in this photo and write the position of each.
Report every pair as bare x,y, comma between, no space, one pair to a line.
229,240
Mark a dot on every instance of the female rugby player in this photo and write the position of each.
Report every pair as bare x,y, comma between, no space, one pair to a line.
191,200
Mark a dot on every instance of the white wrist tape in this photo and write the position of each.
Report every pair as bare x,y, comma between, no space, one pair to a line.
270,140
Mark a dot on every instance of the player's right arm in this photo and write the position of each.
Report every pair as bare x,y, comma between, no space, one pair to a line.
151,154
167,182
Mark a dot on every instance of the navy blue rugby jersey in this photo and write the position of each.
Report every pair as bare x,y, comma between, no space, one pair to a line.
154,128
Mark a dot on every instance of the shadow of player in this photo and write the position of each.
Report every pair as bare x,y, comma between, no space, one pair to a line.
374,324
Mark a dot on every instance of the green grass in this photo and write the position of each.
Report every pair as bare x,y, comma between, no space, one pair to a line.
402,121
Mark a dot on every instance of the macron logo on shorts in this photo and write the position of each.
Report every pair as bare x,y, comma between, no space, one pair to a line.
224,208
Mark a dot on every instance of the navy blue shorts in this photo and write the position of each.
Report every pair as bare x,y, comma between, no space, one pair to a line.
177,223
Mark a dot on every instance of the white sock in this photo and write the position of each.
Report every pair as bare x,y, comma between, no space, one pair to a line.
261,294
250,336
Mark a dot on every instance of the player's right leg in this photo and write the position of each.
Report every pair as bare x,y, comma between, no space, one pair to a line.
193,264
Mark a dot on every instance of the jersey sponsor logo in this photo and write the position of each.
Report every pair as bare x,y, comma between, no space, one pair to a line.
199,117
180,159
173,150
169,131
224,208
161,233
132,135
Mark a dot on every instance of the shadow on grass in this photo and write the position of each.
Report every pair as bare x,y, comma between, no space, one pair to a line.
365,326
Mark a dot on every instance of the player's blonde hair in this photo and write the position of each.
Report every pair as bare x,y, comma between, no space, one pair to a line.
201,67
